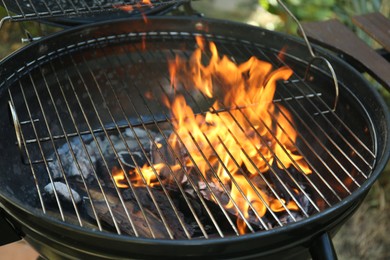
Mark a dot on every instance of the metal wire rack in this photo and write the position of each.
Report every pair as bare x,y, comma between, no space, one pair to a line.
329,188
26,10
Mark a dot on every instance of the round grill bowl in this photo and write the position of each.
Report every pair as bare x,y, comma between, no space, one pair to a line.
53,237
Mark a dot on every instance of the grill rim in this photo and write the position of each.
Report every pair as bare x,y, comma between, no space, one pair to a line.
343,206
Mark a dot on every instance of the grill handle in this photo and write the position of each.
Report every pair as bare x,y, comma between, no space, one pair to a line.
314,56
323,249
16,124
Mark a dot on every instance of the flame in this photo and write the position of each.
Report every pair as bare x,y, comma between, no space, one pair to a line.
148,173
243,135
125,8
145,175
131,7
119,178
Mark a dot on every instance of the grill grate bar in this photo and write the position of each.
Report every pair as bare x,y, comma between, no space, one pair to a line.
56,195
56,152
139,204
267,58
232,158
330,154
269,186
100,114
143,150
100,185
133,124
22,10
342,137
337,147
34,174
172,150
269,148
324,132
318,190
72,153
329,110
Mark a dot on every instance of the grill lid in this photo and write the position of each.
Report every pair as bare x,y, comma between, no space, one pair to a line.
94,108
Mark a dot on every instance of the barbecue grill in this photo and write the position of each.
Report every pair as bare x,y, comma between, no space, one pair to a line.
90,102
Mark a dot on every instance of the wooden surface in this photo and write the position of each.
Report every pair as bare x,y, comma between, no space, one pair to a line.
334,35
376,26
18,251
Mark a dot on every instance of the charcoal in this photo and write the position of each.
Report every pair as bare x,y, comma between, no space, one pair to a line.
70,167
123,222
136,158
212,188
164,155
120,216
63,191
165,208
89,155
286,218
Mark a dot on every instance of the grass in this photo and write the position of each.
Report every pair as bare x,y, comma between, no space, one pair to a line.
366,234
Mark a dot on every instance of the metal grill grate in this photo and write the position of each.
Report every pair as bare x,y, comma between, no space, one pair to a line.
23,10
100,90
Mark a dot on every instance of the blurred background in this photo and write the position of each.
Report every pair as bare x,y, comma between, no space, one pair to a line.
366,234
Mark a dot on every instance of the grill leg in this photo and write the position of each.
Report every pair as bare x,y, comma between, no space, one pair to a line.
8,233
322,248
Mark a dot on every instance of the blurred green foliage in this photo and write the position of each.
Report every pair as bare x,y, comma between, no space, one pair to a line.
11,33
318,10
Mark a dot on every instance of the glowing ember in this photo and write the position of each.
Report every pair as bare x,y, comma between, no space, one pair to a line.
119,178
131,7
243,135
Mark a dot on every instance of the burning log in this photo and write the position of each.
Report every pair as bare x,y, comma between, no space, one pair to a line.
145,223
172,213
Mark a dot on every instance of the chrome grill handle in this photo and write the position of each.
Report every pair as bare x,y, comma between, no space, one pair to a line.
313,54
17,126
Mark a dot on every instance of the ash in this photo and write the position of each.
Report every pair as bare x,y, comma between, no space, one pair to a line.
63,191
84,157
91,154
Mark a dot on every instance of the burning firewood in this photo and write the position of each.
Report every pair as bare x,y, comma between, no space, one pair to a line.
172,212
145,223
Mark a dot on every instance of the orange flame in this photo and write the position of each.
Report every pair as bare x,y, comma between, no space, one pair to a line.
148,173
119,178
131,7
125,8
142,176
244,133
